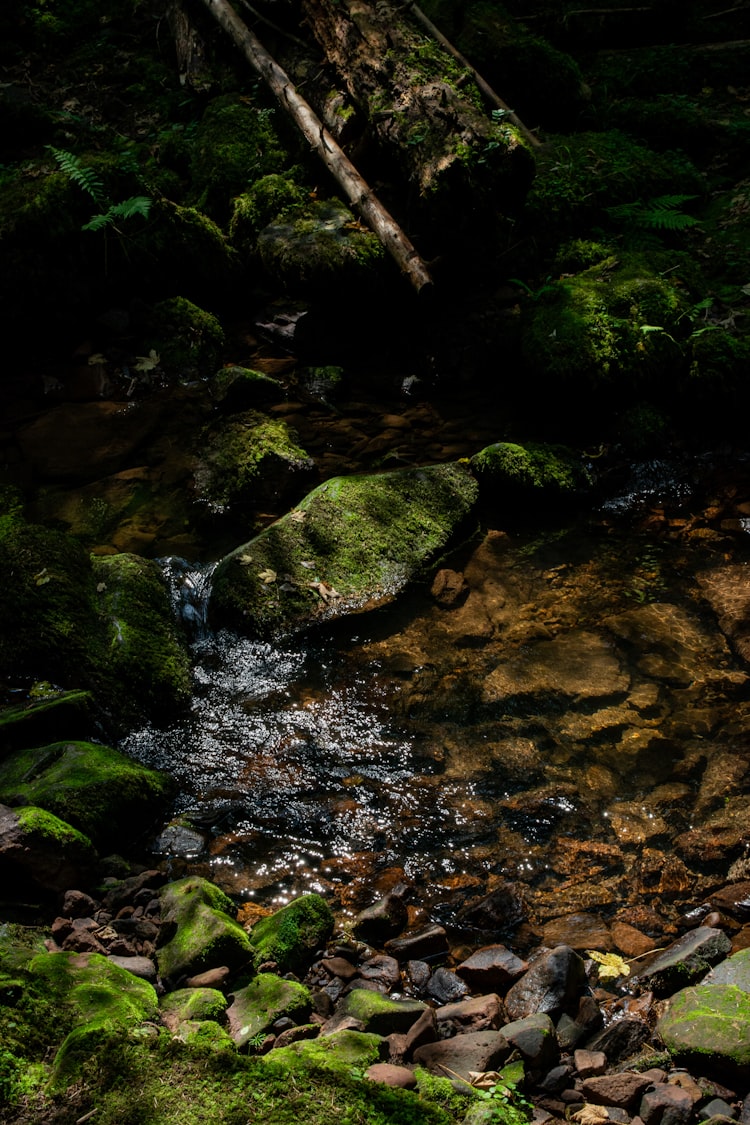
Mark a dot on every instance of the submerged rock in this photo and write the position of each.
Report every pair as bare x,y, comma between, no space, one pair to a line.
352,544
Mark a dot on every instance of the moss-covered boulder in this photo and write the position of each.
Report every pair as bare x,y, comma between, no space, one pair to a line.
95,999
507,471
269,200
341,1052
257,1006
188,339
192,1005
379,1014
291,936
320,246
48,711
240,388
187,252
352,544
707,1028
98,790
250,460
146,656
37,845
205,934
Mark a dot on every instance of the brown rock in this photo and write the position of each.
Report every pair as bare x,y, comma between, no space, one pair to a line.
339,967
666,1103
381,970
734,899
449,587
579,931
622,1090
76,904
422,1031
296,1033
429,942
474,1051
589,1064
493,968
212,978
399,1076
630,941
476,1014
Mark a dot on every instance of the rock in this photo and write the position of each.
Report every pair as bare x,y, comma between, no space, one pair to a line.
212,978
96,789
717,1107
297,1034
620,1040
735,970
553,983
589,1064
206,936
36,845
588,1018
476,1014
707,1029
734,899
423,1030
623,1090
630,941
239,388
142,967
501,911
510,472
579,931
382,971
256,1007
577,666
446,987
418,973
423,945
727,590
474,1051
359,558
493,968
291,936
339,1052
76,904
398,1076
686,960
665,1104
383,920
378,1014
192,1004
449,587
534,1038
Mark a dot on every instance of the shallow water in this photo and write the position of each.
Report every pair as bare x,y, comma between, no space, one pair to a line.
571,724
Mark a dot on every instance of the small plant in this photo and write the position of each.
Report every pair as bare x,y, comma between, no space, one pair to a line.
88,181
661,214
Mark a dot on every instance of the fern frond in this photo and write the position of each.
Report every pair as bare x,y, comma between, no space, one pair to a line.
84,177
136,205
660,213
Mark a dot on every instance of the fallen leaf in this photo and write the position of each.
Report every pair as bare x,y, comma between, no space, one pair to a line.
267,575
611,965
101,587
484,1079
307,564
42,578
591,1115
94,360
298,515
327,593
245,560
146,362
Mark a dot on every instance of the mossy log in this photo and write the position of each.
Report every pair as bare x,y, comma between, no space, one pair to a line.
423,107
346,175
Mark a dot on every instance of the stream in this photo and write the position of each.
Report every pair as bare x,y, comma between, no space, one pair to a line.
565,731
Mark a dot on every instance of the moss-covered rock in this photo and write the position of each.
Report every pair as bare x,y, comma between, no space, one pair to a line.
268,200
187,252
291,936
98,790
239,388
257,1006
48,711
379,1014
187,339
205,934
507,471
146,656
35,844
321,246
707,1028
251,460
341,1052
352,544
192,1005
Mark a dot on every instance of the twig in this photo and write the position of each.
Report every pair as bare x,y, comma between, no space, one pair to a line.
86,1116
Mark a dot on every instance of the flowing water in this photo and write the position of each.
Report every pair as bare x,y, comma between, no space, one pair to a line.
570,726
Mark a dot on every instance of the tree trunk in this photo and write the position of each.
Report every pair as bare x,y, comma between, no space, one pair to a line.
423,108
346,175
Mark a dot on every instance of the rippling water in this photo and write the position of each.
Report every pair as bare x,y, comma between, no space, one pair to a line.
555,727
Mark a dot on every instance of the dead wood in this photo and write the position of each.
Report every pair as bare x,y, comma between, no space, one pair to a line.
492,97
192,66
346,175
423,108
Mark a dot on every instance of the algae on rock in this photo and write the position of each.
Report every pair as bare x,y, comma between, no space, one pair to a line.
290,936
205,934
352,543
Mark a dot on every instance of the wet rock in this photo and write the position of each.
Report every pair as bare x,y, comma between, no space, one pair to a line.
446,987
630,941
339,967
376,1013
553,983
383,920
721,839
493,968
620,1040
424,1030
449,587
589,1064
256,1007
579,931
686,960
534,1038
734,899
673,646
727,590
501,910
476,1014
398,1076
665,1104
381,970
580,666
623,1090
418,973
474,1051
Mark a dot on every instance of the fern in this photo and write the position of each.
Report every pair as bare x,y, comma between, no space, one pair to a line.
84,177
661,213
135,205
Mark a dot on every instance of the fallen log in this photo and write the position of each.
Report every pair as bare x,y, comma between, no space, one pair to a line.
357,191
423,107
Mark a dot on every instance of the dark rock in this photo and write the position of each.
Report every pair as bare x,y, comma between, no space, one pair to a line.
418,973
493,968
500,911
445,987
381,970
423,945
571,1030
475,1051
620,1040
339,967
717,1107
686,960
76,904
623,1089
296,1033
449,587
589,1064
534,1039
666,1105
82,941
421,1032
142,967
557,1079
734,899
383,920
553,983
476,1014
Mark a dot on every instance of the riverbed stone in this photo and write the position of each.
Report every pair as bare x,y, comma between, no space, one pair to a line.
534,1038
267,998
381,921
623,1090
376,1013
727,590
192,1004
474,1014
493,968
686,960
351,544
424,944
474,1051
446,987
707,1028
734,970
341,1052
205,935
620,1039
290,937
553,983
399,1077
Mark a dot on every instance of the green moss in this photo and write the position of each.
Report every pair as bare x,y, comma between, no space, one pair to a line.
341,1052
96,789
206,934
270,199
186,252
146,656
380,1014
188,340
237,388
708,1028
266,999
195,1004
505,468
353,542
291,935
51,830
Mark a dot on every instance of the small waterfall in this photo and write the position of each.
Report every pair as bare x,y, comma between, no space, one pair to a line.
189,590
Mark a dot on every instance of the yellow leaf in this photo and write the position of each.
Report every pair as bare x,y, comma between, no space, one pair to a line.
611,965
267,575
591,1115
